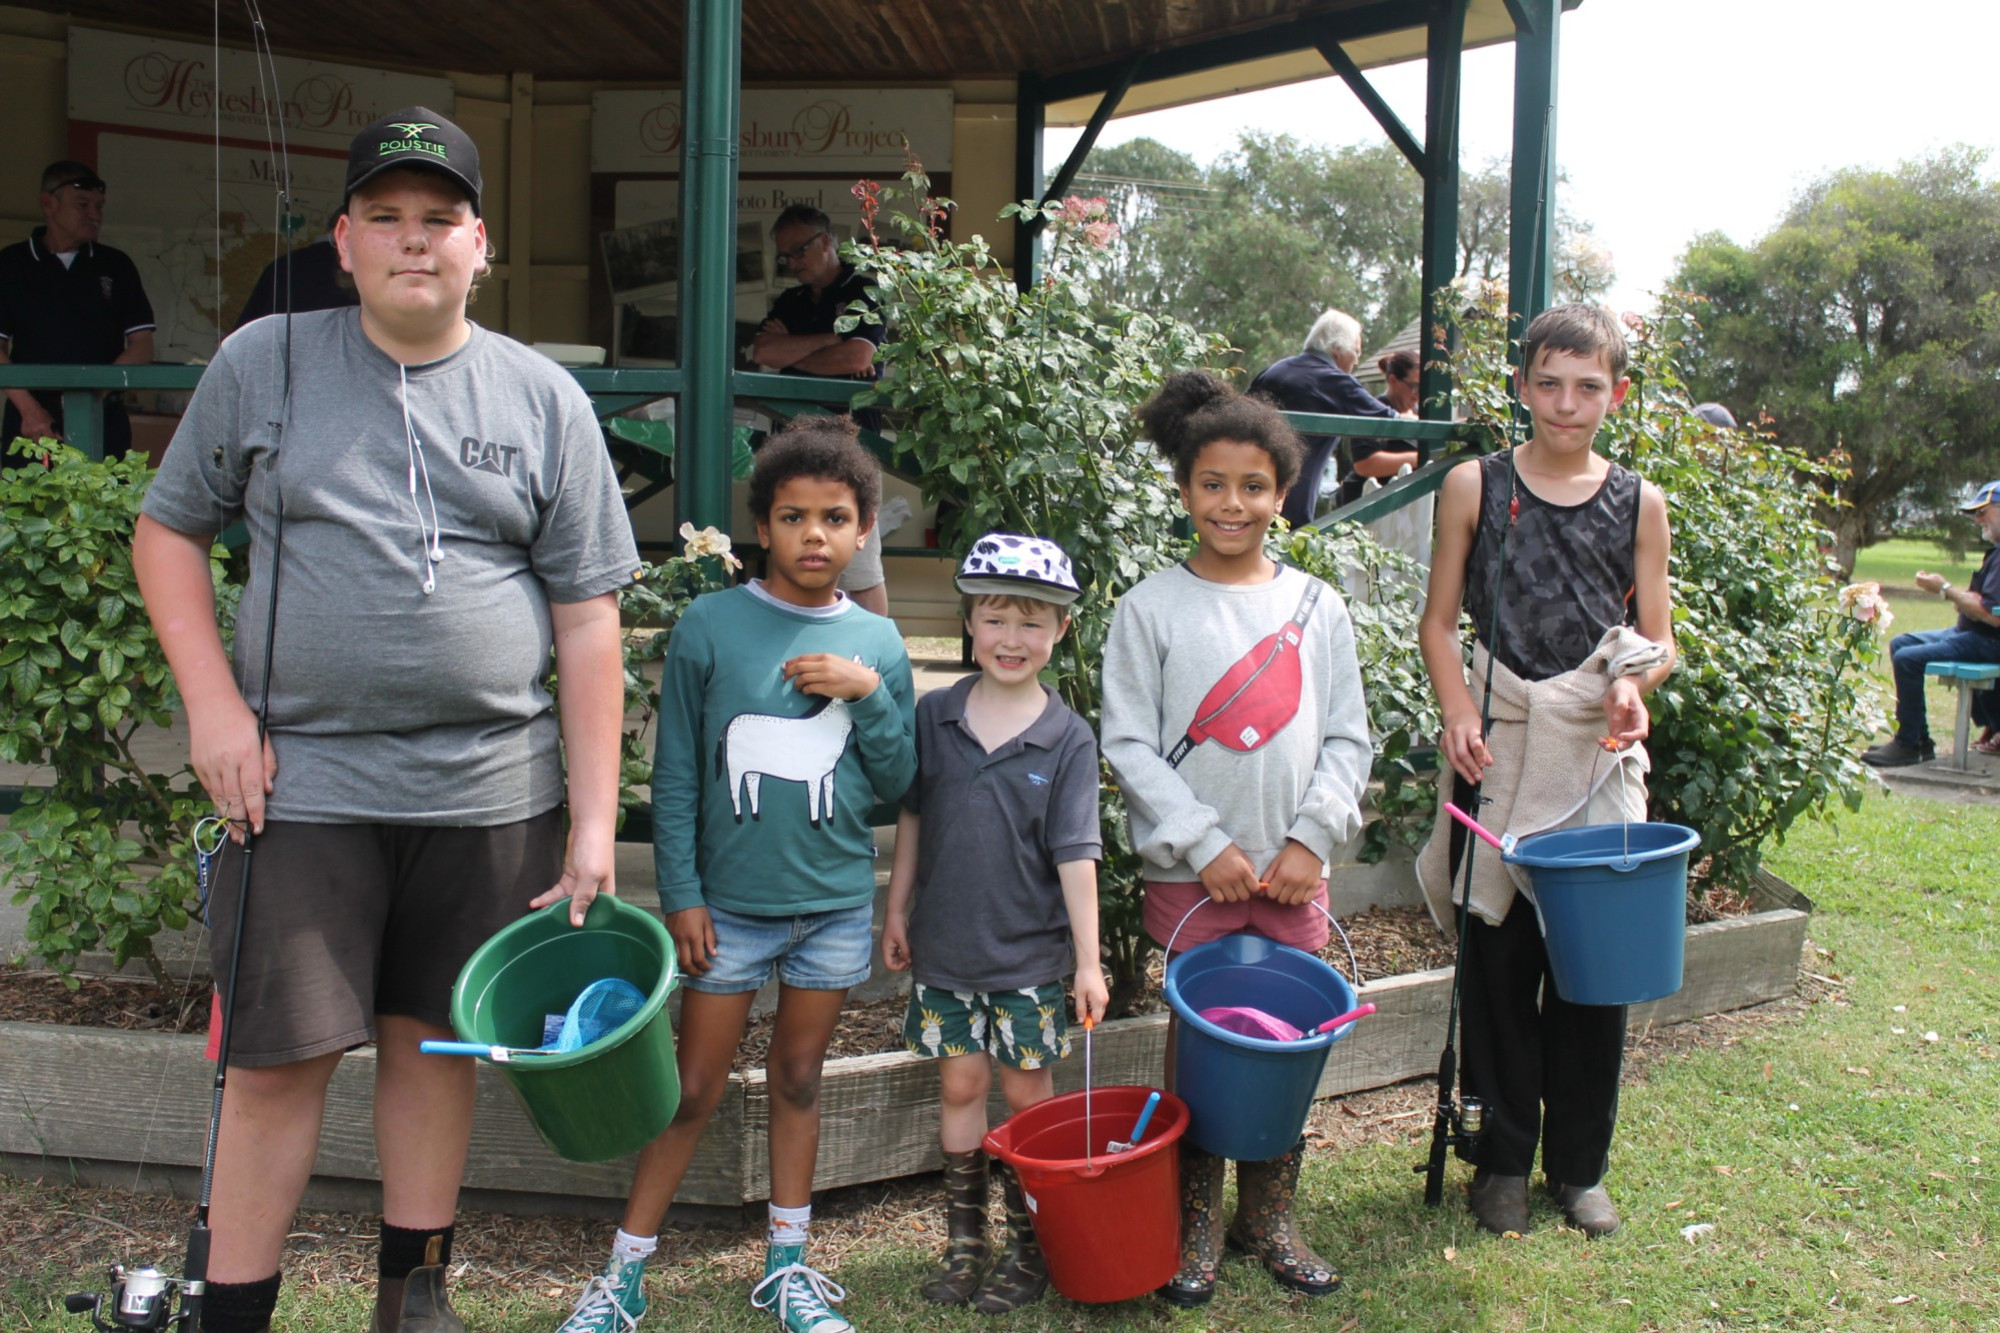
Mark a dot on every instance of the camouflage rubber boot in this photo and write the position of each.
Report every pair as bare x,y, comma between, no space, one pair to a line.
1021,1274
965,1229
1266,1229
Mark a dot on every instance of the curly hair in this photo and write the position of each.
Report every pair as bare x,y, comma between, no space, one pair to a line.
1193,409
824,448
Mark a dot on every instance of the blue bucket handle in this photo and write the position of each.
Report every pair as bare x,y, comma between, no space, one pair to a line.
1353,967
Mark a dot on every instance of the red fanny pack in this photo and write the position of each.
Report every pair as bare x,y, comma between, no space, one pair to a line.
1260,692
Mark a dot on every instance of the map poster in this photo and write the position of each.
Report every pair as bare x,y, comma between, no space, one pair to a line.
191,215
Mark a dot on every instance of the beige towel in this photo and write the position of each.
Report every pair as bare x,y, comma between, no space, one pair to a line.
1548,771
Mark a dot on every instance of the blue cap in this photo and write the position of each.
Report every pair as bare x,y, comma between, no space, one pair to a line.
1985,495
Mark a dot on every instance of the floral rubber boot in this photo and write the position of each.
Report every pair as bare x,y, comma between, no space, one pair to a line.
1265,1228
1201,1228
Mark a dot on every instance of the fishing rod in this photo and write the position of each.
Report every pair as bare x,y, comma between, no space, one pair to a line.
143,1298
1460,1122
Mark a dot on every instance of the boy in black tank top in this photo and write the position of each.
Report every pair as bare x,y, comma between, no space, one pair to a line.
1585,553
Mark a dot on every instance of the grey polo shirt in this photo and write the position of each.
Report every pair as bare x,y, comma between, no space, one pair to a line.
989,911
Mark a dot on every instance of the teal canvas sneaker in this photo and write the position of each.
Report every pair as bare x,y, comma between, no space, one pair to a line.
612,1301
802,1298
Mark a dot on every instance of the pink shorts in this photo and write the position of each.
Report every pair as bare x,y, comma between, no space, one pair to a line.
1302,926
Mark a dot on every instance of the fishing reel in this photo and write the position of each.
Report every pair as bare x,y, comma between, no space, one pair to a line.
140,1299
1459,1124
1468,1123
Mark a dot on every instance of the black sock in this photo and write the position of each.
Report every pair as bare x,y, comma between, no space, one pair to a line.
239,1307
408,1248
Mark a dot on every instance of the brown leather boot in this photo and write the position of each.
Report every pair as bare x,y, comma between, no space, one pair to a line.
1588,1209
1021,1274
1499,1202
1201,1228
965,1177
1266,1229
417,1303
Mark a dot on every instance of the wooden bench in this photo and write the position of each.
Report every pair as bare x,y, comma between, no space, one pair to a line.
1970,676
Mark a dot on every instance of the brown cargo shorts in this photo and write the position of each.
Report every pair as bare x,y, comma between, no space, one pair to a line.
347,921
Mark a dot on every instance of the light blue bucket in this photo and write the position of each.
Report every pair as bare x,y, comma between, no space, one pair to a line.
1613,905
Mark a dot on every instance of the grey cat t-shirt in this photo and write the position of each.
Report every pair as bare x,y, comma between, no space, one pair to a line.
390,704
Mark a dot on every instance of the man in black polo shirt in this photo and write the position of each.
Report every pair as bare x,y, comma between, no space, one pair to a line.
798,339
65,300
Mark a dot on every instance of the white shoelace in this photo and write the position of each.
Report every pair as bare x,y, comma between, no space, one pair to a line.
598,1294
812,1296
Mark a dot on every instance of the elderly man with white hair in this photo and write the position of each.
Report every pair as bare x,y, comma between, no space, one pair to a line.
1321,379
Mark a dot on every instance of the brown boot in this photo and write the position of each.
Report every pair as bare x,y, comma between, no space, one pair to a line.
1266,1229
1201,1228
1589,1209
417,1303
965,1229
1499,1202
1022,1273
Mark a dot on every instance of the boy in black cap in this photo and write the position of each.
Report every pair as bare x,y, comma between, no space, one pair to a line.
453,520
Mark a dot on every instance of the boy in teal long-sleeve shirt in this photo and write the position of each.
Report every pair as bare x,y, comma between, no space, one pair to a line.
786,714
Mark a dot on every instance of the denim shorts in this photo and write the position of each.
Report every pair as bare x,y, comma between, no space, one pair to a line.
811,951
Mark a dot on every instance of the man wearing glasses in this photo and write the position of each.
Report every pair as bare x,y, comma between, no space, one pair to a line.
798,338
66,300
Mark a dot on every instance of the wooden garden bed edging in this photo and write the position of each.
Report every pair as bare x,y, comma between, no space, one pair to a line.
128,1097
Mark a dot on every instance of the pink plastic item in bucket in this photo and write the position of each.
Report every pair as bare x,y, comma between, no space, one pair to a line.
1246,1021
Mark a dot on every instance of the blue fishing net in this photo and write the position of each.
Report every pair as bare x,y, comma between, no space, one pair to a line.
600,1009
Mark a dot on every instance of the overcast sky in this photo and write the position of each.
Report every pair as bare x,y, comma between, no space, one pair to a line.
1675,117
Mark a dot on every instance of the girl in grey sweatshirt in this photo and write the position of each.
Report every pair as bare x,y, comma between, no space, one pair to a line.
1234,722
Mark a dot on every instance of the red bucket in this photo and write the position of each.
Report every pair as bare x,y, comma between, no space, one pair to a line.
1109,1224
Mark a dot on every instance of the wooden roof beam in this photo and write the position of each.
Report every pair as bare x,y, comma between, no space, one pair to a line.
1234,49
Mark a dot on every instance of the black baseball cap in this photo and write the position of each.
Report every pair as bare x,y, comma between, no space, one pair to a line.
414,137
82,175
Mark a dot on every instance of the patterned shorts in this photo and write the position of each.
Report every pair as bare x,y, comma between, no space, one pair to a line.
1026,1028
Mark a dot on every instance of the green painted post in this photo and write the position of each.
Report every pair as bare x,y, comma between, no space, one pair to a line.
1028,112
1531,230
1441,103
710,114
83,421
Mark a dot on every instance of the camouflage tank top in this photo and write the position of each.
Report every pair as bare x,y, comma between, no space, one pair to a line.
1569,576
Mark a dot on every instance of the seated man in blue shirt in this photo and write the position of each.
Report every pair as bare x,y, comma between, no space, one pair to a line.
1321,379
1976,638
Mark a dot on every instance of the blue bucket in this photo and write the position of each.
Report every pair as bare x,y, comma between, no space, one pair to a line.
1613,905
1248,1097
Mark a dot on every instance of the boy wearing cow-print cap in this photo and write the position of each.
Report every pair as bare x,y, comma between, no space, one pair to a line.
785,717
998,844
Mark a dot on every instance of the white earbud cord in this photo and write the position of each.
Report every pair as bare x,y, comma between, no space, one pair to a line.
433,541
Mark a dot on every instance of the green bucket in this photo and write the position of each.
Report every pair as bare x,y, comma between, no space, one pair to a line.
613,1096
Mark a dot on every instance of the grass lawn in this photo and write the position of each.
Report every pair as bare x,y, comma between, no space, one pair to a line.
1894,564
1842,1155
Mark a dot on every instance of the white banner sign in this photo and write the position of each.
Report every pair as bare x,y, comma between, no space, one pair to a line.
794,129
150,83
